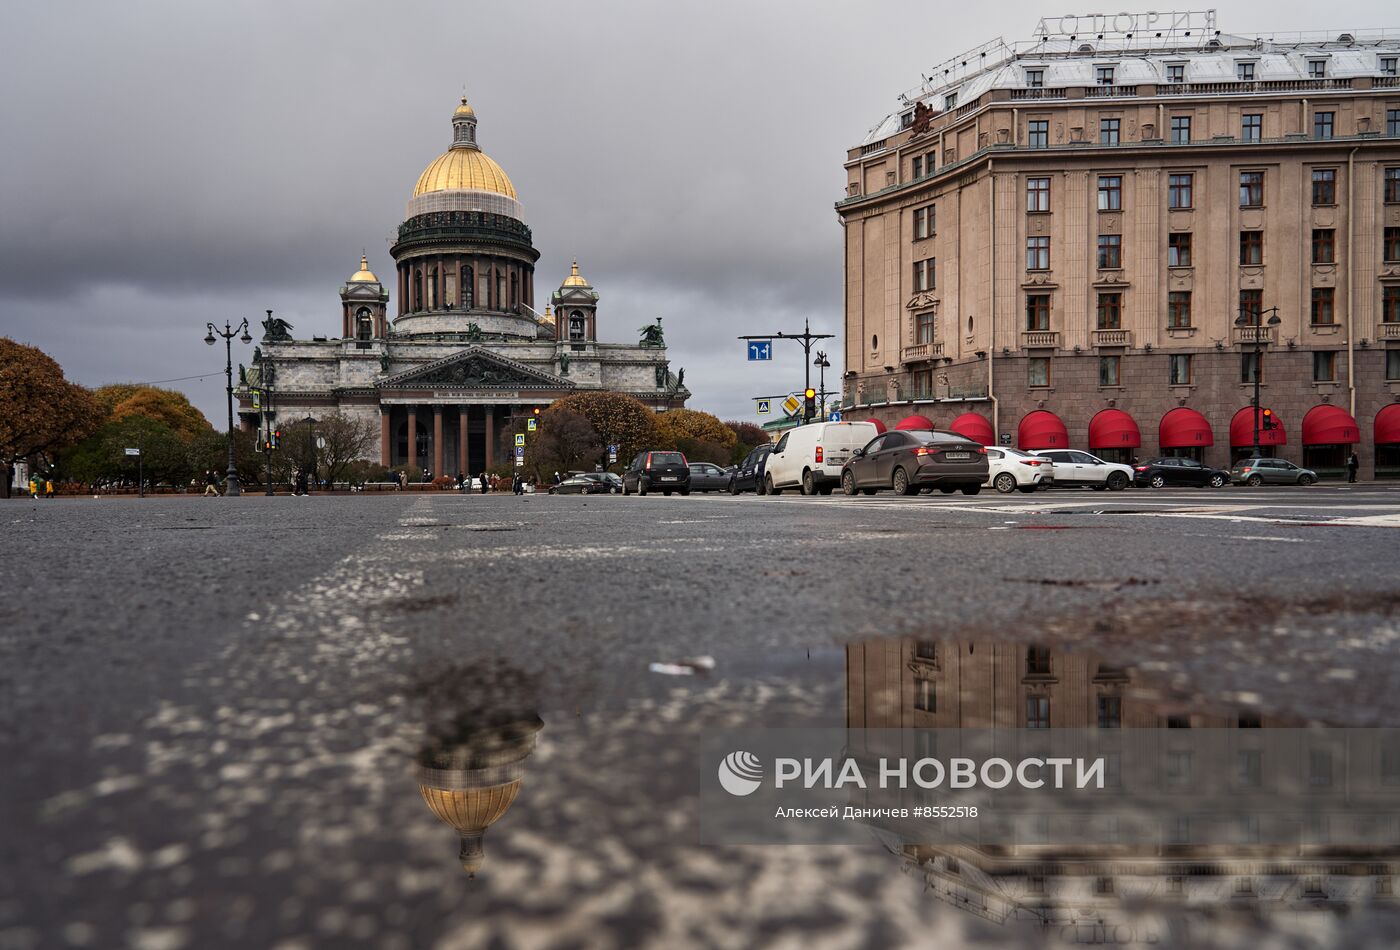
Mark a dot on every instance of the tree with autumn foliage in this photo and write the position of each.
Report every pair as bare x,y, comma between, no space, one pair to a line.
619,420
747,437
177,443
124,400
40,411
699,435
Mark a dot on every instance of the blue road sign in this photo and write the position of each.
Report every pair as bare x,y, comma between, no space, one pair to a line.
760,350
835,417
764,407
520,451
519,438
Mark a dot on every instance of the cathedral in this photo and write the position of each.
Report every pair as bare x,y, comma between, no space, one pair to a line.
466,351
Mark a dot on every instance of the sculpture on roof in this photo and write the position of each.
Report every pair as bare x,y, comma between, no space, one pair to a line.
651,334
474,333
276,330
923,115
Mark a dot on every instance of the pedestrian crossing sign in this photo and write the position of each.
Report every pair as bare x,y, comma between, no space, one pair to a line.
520,439
531,423
765,406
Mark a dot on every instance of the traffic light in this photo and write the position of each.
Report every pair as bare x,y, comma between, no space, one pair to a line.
809,407
1269,421
537,410
276,438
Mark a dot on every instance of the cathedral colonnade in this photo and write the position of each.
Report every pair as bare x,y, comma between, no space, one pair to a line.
449,437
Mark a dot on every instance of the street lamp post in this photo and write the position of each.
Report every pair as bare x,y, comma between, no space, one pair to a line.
1244,320
823,364
228,333
310,454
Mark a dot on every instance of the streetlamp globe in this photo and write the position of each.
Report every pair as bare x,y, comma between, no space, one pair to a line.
209,338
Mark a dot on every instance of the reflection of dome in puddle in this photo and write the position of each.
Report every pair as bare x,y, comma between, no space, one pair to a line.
470,781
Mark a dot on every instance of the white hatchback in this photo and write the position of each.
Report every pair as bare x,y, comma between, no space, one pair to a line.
1010,469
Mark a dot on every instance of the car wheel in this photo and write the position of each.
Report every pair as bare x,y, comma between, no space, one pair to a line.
1217,480
641,487
760,487
1305,480
1005,483
809,484
1254,481
900,483
1117,481
848,483
1157,481
971,489
772,489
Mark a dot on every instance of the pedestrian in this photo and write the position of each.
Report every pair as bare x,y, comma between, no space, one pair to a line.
48,487
211,483
34,487
460,479
303,482
557,479
484,487
427,476
1353,463
517,484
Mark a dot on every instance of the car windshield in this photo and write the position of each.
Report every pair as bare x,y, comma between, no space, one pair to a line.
927,436
665,458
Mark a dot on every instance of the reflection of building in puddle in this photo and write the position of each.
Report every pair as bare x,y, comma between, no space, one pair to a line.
1046,876
470,768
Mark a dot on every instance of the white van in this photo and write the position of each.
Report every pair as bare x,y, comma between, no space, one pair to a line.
809,458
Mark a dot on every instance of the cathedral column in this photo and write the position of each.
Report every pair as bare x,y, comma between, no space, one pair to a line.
441,284
490,435
412,457
437,439
385,431
462,439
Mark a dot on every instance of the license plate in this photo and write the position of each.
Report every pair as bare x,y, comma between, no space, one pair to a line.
670,478
958,456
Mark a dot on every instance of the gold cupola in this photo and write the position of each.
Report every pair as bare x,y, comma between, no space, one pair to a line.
464,166
364,275
575,279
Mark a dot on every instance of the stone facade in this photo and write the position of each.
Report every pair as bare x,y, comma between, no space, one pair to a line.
1064,204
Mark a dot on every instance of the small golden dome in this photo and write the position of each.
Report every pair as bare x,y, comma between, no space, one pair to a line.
575,279
364,275
464,109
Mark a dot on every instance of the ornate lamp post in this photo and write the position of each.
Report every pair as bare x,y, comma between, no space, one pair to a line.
228,333
1255,321
823,364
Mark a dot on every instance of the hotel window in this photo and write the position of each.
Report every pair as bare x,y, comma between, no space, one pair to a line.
924,276
1179,189
1244,72
1037,661
1249,367
1324,366
1392,373
925,697
1176,72
1038,371
1037,194
1110,370
1324,186
1103,75
1181,130
1251,189
923,222
1110,712
1251,127
1389,65
1037,311
1252,306
930,162
1179,250
917,167
1391,251
1110,312
925,328
1110,193
1392,122
1037,253
1035,78
950,101
1038,133
1324,246
1178,309
1317,69
1110,251
1390,305
1037,712
1179,369
1323,311
1392,185
1251,247
923,384
1322,124
1108,131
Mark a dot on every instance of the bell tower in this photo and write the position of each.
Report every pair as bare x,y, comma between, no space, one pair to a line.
575,310
364,305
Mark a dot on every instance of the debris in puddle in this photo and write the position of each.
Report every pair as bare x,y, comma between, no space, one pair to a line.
687,667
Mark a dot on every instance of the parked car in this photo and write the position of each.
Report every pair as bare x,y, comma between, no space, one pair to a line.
810,458
1012,469
1076,469
705,476
1262,471
589,484
910,460
1164,472
657,471
748,476
614,482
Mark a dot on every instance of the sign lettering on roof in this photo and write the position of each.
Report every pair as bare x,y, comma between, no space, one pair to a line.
1084,25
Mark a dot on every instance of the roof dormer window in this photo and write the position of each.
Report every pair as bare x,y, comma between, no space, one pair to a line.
950,101
906,120
1176,72
1317,69
1103,75
1390,65
1244,71
1035,78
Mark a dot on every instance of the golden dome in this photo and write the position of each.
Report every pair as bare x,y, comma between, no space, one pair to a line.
364,275
464,109
471,811
575,279
466,169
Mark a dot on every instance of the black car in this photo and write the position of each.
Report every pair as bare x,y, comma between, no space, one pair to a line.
748,476
910,460
586,484
706,476
657,471
1167,472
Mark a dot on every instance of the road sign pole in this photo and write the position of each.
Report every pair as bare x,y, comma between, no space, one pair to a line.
806,338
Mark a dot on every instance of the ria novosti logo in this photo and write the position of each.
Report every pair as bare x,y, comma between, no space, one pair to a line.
740,773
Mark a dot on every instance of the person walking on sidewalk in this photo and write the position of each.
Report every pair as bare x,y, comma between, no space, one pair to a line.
211,483
485,486
34,487
1353,463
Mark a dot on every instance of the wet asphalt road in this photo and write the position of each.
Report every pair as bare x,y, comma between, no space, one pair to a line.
209,709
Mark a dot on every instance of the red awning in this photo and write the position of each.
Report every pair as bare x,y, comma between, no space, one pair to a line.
879,426
974,426
1184,428
1042,429
1388,425
1242,430
1330,425
1113,429
914,422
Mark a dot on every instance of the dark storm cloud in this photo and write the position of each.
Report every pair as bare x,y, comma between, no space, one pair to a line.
169,163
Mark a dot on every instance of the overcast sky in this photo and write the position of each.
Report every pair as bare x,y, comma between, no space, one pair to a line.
167,164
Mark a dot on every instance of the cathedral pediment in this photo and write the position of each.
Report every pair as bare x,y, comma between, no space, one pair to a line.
474,368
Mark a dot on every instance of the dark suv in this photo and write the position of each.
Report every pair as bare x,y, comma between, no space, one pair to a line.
657,471
748,476
1164,472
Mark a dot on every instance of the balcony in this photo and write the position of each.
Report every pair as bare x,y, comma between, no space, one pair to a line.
1038,92
1388,331
1254,334
1040,338
1109,92
1113,337
920,351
